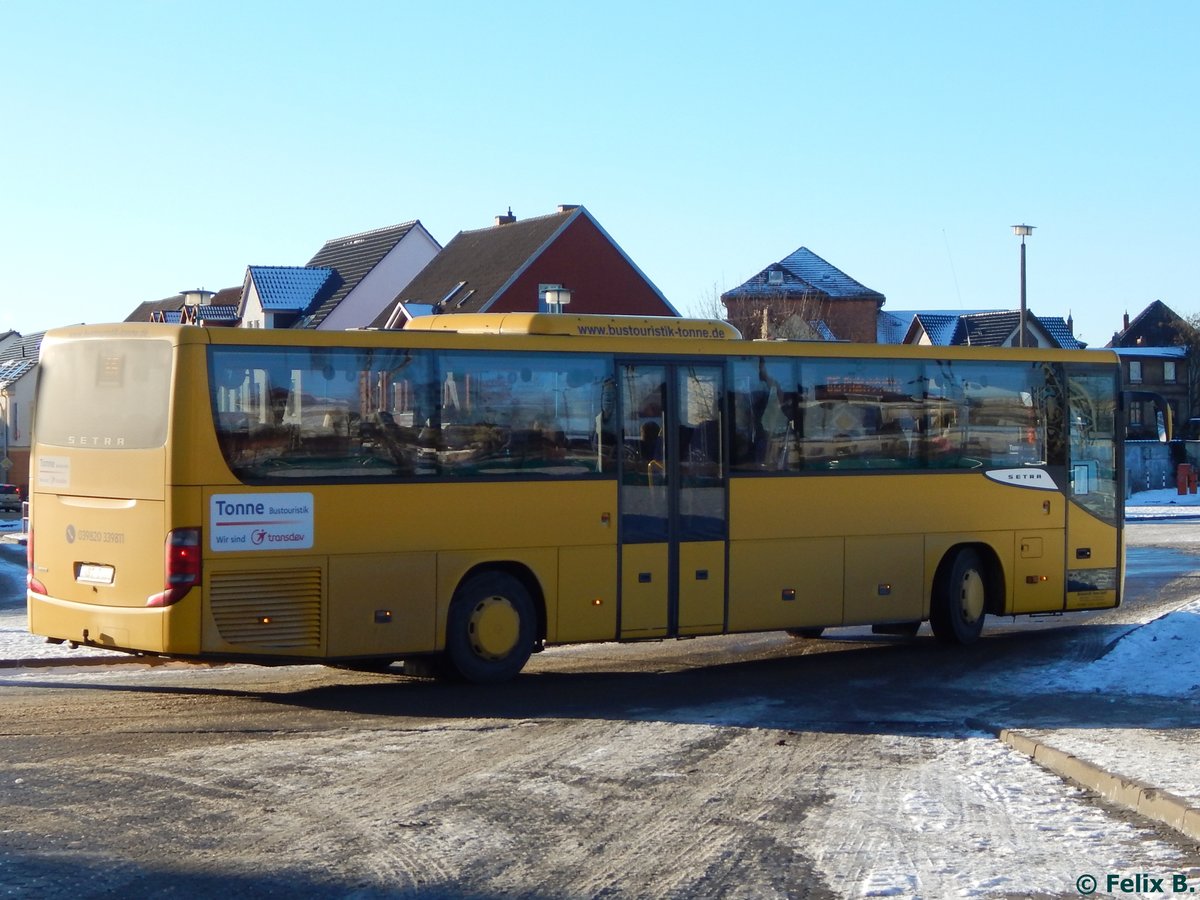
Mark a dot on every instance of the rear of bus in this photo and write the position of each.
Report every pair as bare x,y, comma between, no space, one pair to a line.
105,566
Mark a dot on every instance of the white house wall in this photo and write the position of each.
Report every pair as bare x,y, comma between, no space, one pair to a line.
20,411
381,285
253,315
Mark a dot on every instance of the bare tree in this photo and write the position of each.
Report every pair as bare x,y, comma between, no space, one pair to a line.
779,315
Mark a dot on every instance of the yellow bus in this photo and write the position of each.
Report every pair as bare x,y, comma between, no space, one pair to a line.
468,490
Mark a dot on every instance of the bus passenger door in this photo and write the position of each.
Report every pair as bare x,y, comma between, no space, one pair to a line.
673,500
1095,548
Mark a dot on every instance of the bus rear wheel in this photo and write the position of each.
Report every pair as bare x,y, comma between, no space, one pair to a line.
959,602
491,628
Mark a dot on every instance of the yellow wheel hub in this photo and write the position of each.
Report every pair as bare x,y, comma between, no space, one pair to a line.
971,600
494,627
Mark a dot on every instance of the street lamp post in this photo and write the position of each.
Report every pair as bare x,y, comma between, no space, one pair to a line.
1022,231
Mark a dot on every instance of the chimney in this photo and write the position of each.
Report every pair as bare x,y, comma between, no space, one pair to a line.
1126,320
567,207
506,219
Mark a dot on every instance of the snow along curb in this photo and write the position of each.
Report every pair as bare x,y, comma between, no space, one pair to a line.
1151,802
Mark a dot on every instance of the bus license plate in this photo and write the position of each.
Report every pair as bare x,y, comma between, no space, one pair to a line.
94,574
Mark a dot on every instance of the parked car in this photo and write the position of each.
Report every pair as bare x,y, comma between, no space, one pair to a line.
10,498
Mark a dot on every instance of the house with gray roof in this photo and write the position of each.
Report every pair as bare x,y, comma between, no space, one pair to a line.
345,285
804,293
1158,350
979,328
373,267
510,266
197,307
18,362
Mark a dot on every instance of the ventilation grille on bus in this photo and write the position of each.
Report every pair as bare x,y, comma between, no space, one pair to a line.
279,609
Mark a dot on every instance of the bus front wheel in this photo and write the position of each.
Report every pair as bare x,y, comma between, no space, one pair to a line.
959,600
490,630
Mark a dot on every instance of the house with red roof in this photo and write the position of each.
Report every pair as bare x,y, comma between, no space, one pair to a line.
511,267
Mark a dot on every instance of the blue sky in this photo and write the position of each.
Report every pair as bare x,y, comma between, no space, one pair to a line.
152,147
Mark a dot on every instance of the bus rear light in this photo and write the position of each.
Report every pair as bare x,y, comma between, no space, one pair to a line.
32,582
182,567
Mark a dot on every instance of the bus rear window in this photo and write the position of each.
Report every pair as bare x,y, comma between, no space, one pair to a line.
106,394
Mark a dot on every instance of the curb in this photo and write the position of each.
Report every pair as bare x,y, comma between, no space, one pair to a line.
1133,795
51,662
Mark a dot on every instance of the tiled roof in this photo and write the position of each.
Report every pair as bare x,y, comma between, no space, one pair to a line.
19,357
213,312
1157,323
353,257
293,288
939,326
230,296
145,311
986,329
803,272
12,369
892,326
476,265
1057,328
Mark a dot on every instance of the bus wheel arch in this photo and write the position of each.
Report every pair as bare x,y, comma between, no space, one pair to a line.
495,620
968,585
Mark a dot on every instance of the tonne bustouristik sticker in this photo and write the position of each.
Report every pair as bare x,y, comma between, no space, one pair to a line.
260,521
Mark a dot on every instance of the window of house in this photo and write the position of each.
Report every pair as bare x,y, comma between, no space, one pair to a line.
1169,371
1135,372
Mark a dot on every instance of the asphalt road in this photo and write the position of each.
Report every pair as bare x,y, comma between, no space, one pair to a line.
742,766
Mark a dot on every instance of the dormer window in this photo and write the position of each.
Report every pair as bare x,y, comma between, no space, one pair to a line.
775,276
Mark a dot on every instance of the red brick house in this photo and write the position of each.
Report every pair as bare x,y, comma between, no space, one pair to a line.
803,296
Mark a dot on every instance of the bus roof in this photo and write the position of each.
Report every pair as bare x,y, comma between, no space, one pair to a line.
566,332
590,326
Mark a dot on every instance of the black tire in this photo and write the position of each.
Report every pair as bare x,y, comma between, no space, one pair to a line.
959,603
806,633
490,629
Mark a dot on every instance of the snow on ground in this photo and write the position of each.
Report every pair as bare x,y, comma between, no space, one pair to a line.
1166,503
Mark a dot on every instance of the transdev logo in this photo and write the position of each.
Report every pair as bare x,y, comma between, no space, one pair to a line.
260,522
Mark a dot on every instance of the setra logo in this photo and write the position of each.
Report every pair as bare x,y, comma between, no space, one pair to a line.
70,534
